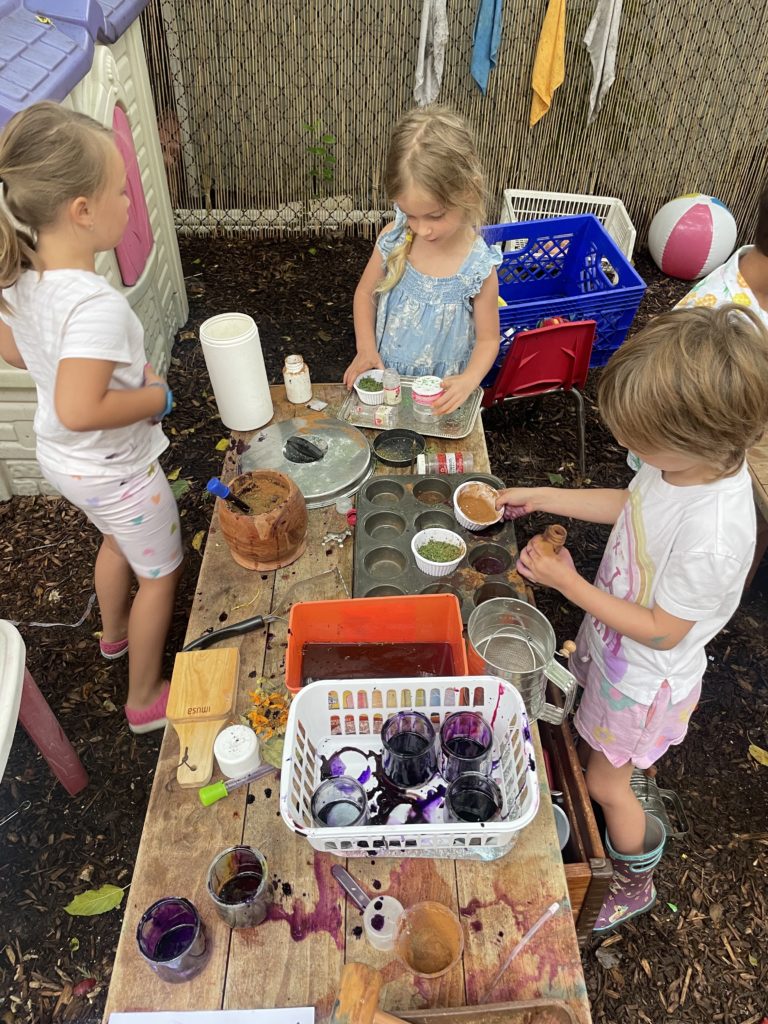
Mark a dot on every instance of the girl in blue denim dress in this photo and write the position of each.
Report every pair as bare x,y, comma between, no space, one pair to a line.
427,302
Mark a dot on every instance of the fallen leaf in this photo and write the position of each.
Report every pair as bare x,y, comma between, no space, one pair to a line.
646,967
95,901
672,907
222,445
606,958
272,751
74,944
716,913
179,487
198,539
556,478
174,474
82,988
753,960
760,755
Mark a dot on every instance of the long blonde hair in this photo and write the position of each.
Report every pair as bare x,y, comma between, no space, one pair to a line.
48,156
694,381
433,148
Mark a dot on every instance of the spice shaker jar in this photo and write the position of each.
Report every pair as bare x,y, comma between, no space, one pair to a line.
391,383
298,387
445,462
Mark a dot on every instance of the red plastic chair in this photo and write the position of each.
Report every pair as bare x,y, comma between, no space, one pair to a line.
543,361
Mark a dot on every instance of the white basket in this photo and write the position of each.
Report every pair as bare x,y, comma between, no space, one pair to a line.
344,718
520,204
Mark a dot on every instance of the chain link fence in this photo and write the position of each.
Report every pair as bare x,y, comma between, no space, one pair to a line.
274,118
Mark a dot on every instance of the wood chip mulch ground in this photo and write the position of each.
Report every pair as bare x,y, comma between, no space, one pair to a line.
700,956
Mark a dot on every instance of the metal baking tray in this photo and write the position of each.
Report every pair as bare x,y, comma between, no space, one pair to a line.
533,1011
392,509
455,425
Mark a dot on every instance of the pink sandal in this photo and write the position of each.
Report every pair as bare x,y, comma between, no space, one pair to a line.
151,718
113,649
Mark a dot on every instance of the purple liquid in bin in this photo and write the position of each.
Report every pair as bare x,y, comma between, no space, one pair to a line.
466,742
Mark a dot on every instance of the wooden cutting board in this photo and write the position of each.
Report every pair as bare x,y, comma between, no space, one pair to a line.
200,703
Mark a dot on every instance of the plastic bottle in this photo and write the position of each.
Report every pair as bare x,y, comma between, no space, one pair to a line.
445,462
298,386
391,382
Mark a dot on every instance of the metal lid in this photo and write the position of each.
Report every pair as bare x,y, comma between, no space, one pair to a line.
327,459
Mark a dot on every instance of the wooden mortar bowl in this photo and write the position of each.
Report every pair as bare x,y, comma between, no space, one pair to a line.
276,533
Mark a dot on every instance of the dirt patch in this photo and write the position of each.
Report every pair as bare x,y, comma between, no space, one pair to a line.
698,956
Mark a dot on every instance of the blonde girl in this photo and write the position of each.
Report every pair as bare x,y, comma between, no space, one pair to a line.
427,302
63,199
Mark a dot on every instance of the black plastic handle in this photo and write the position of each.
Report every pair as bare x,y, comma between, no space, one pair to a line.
236,629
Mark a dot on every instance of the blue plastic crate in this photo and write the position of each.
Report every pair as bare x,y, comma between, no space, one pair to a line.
569,267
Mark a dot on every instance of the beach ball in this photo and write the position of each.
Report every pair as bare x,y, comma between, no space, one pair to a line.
691,235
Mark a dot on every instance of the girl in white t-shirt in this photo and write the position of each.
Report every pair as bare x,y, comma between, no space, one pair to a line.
689,394
63,199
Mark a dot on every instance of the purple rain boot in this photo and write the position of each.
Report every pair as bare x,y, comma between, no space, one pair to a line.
631,890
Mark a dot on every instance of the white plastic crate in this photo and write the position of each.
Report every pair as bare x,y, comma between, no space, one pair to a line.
520,204
343,719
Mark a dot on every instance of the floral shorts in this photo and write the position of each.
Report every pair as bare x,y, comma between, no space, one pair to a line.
620,727
139,512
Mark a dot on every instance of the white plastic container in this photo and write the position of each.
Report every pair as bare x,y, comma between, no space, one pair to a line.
371,397
427,565
343,719
232,351
237,751
298,386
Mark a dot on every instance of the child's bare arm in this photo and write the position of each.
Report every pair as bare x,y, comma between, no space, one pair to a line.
364,316
652,627
84,400
8,350
486,314
592,505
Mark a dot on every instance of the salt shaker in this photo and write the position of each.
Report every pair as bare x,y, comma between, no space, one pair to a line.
298,387
391,382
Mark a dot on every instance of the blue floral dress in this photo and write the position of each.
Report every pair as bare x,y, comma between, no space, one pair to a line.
425,325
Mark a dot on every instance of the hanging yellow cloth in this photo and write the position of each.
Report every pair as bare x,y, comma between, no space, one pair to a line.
549,65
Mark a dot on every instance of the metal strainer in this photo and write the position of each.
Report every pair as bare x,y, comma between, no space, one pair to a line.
512,648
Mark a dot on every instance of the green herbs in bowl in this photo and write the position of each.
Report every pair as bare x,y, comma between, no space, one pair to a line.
370,384
440,551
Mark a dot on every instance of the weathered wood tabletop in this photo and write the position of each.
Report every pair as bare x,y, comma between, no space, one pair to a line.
295,957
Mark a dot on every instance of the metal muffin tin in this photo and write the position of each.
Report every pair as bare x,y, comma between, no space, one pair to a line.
392,509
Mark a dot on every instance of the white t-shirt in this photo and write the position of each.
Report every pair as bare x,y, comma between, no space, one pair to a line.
687,549
76,314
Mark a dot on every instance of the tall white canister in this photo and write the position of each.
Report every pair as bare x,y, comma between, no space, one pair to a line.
235,363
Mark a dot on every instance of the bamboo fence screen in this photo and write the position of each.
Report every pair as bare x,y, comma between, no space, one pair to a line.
236,81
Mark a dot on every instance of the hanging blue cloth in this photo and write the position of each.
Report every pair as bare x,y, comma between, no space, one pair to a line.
485,41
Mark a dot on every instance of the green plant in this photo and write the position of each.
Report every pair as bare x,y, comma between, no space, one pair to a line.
320,145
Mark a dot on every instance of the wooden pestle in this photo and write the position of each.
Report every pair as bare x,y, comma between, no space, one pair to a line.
553,539
358,999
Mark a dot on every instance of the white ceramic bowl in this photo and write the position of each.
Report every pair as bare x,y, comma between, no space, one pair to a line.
370,397
437,568
485,489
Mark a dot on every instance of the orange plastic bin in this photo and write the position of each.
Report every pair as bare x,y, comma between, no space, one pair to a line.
418,618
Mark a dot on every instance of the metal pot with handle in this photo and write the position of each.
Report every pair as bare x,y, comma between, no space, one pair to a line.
511,639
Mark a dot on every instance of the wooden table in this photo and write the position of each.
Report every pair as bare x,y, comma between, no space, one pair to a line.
295,957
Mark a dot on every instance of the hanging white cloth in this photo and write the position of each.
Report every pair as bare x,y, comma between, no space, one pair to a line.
602,40
432,42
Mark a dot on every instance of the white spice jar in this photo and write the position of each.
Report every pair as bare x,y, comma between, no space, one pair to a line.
298,386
